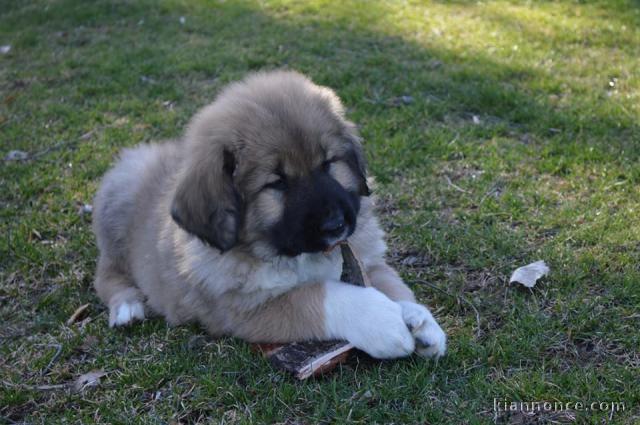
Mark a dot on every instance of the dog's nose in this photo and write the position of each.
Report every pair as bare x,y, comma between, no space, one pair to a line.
334,224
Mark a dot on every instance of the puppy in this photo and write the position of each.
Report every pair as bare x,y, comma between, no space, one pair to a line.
233,227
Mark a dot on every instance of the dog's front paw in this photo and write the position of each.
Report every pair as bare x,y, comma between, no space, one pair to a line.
369,320
125,313
431,341
378,327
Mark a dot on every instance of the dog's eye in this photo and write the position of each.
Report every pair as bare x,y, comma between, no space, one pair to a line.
279,184
326,165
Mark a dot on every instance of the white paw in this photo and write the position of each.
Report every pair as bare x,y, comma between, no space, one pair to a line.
125,313
368,319
431,341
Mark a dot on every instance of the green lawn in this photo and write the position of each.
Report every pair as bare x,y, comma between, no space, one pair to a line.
500,133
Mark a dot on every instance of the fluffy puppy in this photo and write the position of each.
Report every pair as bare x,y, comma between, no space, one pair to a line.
233,226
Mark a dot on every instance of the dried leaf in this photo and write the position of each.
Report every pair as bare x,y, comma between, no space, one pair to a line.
76,314
85,209
528,275
90,379
16,156
147,80
89,342
401,100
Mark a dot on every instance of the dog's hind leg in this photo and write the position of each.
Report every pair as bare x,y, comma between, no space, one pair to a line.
116,289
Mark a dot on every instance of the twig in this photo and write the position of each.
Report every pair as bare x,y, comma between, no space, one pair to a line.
57,146
458,297
12,336
55,357
49,387
52,148
36,387
455,186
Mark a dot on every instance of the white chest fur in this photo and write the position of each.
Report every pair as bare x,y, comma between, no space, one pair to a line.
282,273
218,274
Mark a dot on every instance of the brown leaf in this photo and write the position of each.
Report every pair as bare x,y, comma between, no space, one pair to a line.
77,314
89,342
90,379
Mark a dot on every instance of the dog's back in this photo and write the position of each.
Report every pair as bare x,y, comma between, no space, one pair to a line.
125,186
115,202
128,193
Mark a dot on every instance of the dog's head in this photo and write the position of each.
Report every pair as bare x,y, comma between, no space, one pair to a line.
272,164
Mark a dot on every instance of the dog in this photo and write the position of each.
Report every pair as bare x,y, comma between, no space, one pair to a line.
234,224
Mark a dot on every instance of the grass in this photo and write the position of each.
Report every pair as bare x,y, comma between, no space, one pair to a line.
517,140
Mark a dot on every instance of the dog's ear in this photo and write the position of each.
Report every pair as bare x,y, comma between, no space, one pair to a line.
354,157
207,203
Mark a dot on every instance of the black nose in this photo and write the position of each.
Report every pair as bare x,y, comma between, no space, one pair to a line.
334,224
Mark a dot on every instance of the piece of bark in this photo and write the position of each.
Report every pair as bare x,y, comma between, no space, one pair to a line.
352,268
313,358
305,359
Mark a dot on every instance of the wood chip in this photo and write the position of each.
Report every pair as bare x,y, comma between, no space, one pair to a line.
77,314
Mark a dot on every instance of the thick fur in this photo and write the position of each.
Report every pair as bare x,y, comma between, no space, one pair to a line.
232,226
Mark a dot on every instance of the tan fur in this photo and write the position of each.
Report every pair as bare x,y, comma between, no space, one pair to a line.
246,291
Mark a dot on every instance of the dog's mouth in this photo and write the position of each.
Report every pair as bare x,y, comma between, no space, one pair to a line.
332,243
331,247
316,244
